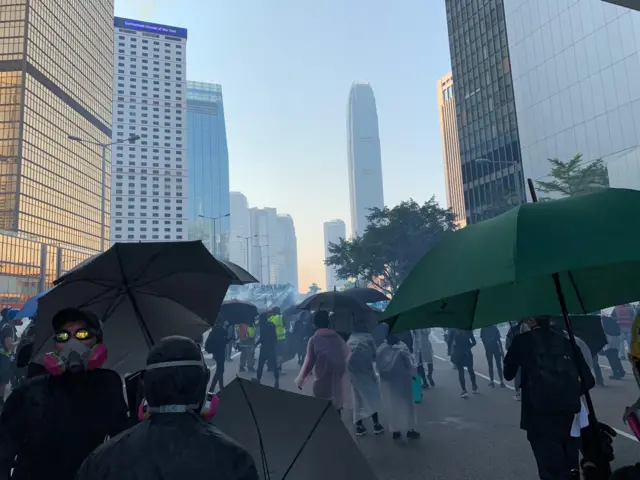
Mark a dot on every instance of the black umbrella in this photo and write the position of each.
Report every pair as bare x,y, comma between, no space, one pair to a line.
238,311
588,328
332,301
289,435
142,292
366,295
241,276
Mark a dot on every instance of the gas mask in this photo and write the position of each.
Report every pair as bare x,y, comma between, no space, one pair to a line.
75,356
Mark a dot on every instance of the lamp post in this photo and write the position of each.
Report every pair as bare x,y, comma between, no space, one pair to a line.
214,241
103,146
246,239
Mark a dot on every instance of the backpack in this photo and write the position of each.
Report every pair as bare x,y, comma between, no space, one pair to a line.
553,383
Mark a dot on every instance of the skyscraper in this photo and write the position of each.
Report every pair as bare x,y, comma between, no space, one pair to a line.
288,252
55,81
149,179
208,166
451,148
333,232
485,106
363,153
241,242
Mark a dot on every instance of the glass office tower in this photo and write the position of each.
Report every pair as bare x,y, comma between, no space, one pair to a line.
55,81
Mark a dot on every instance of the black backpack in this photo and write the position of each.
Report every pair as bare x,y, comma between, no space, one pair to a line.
553,383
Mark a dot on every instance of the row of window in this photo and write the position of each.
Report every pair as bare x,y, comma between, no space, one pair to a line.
144,237
132,106
155,43
155,82
144,229
153,222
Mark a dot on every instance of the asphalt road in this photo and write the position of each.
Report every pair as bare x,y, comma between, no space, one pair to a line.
477,438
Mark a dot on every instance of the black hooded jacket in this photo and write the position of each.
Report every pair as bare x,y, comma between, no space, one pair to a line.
180,446
53,423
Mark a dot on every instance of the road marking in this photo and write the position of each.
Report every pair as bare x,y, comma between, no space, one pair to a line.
619,432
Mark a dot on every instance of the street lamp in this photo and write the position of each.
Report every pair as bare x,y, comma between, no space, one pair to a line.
246,239
132,139
215,237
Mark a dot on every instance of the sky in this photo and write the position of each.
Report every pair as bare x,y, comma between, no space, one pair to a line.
286,67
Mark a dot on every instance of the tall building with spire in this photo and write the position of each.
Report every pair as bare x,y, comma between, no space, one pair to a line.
364,157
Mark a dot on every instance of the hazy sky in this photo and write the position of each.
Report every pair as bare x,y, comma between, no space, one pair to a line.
286,67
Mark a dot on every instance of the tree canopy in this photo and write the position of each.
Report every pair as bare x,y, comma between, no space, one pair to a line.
395,239
314,288
574,177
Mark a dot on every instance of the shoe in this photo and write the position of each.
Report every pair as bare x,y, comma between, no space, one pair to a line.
464,394
242,369
361,430
276,385
413,435
492,384
433,384
517,397
502,385
425,386
378,429
475,389
397,435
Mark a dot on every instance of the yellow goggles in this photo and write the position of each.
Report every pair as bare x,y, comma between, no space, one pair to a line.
63,336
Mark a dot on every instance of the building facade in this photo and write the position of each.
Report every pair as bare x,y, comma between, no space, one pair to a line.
364,157
334,230
149,195
241,242
55,82
485,108
575,77
287,253
450,148
208,164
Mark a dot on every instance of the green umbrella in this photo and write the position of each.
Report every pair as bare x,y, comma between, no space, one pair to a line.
503,269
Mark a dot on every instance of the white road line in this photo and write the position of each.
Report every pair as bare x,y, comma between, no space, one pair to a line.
619,432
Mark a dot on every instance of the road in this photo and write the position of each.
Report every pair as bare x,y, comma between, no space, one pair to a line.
476,438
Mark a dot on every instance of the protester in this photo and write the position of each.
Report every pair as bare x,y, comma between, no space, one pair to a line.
516,329
302,332
552,408
364,382
493,350
268,342
460,344
397,370
634,358
177,441
611,349
8,343
216,345
326,357
231,337
624,315
247,345
52,422
423,353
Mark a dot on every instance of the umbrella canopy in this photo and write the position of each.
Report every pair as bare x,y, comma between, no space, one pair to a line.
142,292
289,435
501,269
238,311
366,295
332,301
588,328
240,275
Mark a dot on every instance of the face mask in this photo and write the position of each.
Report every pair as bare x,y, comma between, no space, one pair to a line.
75,356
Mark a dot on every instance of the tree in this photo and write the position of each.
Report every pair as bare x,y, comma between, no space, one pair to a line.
574,177
313,289
395,239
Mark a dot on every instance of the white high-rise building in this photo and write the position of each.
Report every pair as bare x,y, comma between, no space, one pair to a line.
333,232
149,178
363,152
288,251
241,242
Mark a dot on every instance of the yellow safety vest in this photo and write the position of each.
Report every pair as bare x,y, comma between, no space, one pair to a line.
278,322
251,332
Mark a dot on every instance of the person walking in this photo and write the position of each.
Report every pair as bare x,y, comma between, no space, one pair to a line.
216,345
51,423
268,343
611,349
246,345
423,354
624,315
460,344
326,357
552,374
493,350
367,401
397,369
177,440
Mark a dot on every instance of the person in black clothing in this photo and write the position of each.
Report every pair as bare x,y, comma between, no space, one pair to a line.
460,343
493,349
177,441
52,422
268,342
216,345
551,391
